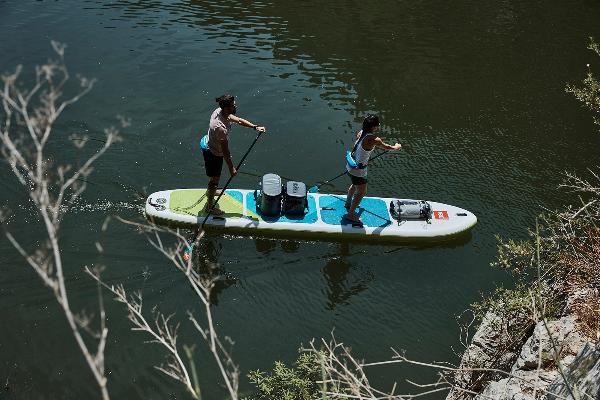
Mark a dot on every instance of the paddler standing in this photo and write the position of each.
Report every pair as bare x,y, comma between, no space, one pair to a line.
358,160
215,145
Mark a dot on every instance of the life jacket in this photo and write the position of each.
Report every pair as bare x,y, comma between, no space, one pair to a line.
204,143
352,160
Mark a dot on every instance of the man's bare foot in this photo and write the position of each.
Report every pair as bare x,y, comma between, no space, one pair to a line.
216,211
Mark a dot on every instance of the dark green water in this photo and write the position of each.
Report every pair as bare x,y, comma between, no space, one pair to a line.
473,90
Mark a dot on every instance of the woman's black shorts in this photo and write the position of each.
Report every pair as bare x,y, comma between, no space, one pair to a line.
357,180
212,164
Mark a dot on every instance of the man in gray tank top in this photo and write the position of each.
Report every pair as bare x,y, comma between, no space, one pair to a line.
219,129
366,141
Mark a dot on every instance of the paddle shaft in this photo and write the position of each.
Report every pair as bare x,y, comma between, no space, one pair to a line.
229,180
345,172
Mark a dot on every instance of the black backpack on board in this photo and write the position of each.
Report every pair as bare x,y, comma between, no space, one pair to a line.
269,196
295,200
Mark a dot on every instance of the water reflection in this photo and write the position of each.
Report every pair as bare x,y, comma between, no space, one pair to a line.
261,31
390,58
206,262
344,280
290,246
454,242
264,245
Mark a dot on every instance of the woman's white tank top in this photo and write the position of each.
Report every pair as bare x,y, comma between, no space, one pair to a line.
361,156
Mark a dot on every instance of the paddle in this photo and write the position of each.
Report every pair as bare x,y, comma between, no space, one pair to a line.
200,232
315,189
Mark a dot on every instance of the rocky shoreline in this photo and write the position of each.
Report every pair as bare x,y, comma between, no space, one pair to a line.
519,359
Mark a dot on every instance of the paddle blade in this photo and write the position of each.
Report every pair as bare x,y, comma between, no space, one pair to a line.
199,236
313,189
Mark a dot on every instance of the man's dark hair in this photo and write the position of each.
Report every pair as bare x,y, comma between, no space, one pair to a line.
370,122
225,101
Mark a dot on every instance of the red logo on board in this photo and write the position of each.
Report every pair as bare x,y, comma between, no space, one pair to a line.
440,214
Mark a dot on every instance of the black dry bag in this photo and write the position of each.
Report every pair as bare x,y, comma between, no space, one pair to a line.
268,199
295,201
410,209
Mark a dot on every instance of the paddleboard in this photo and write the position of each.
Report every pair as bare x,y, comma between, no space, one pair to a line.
324,218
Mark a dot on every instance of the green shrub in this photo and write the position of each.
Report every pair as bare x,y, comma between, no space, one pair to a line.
283,383
589,93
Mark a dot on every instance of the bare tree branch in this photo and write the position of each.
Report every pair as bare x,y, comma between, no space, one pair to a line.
160,331
202,287
28,121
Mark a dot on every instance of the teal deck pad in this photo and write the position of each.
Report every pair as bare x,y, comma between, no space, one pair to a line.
309,218
372,212
236,194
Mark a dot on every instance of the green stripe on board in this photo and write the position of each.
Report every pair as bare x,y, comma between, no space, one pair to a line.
192,202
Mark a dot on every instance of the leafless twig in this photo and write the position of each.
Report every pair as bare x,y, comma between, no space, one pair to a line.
26,127
202,286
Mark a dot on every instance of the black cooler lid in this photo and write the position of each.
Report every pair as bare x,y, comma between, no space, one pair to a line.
295,188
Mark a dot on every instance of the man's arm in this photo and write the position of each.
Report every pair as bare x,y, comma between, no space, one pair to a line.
246,123
227,156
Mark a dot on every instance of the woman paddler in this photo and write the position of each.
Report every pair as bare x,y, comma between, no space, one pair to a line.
357,162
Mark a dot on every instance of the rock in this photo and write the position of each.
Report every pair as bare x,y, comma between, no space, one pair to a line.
503,389
565,340
583,376
491,347
519,387
496,345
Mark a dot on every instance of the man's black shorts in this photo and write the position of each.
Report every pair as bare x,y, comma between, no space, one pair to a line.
357,180
212,164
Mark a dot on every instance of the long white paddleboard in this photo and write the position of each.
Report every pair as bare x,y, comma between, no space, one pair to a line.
184,207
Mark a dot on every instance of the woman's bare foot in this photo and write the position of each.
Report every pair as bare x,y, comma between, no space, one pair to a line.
353,218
